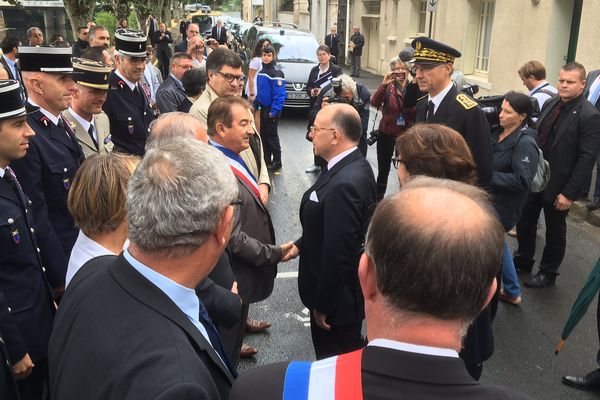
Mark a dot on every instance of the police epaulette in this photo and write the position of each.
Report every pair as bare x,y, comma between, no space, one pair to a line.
466,101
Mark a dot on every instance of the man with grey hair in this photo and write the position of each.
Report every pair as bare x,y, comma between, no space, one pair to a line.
35,36
192,30
417,307
155,333
99,36
174,125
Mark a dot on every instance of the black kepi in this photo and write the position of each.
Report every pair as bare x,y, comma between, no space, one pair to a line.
130,42
12,101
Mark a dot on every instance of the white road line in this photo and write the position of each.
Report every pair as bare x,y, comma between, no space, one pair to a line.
292,274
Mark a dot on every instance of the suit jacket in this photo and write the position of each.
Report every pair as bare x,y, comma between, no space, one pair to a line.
333,42
592,76
7,68
26,309
46,174
129,114
78,47
162,45
254,253
470,122
334,214
170,95
152,29
572,148
139,345
221,39
386,374
102,125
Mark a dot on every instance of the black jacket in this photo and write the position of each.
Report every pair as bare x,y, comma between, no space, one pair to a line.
333,42
222,39
162,45
78,47
359,42
514,163
332,72
170,95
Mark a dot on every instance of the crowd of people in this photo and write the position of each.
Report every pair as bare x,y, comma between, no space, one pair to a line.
135,230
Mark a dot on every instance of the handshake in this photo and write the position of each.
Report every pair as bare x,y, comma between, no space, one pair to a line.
289,251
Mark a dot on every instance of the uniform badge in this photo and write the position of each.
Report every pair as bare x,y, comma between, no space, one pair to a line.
121,84
66,183
279,83
14,234
466,101
105,77
130,125
418,46
107,139
45,121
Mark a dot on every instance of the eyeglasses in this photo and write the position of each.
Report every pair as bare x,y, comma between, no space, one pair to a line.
316,129
236,203
424,67
396,162
230,78
137,60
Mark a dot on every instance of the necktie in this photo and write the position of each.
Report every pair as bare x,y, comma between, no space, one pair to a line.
593,97
430,110
91,133
547,125
215,340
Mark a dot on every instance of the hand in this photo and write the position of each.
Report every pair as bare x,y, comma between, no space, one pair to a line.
234,288
315,92
325,102
263,188
23,368
292,252
320,320
562,203
387,78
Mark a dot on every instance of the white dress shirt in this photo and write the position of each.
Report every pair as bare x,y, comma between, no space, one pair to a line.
85,123
437,99
339,158
414,348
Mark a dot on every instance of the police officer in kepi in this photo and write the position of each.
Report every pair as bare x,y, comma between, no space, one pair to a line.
127,105
444,104
54,155
26,307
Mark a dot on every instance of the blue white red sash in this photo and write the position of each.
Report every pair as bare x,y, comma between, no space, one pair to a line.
332,378
239,167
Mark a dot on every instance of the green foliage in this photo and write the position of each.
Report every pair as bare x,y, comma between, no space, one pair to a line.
106,19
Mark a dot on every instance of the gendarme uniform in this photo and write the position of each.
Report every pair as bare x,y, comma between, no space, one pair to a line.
48,169
126,104
93,135
457,110
26,309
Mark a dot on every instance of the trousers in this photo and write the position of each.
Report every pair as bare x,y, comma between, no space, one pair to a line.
270,137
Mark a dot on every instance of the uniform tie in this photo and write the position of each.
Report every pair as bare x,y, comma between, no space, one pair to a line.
91,133
430,110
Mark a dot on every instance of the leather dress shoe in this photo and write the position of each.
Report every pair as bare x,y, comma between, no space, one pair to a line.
253,325
594,204
540,281
247,351
590,381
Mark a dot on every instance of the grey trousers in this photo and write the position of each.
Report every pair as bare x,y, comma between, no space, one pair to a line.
355,64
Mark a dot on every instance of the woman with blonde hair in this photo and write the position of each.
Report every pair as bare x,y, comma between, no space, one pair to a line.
97,203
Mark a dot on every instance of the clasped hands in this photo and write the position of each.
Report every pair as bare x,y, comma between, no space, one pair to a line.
289,251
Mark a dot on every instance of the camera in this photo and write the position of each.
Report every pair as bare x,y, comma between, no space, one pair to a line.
336,86
373,136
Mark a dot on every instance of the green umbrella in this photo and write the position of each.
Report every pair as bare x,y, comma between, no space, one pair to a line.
586,296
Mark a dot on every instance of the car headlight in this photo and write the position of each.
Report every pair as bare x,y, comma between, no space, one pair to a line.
298,86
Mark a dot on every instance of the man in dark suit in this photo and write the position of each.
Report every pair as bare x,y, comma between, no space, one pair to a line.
54,155
445,105
333,42
334,214
192,30
254,253
356,44
422,287
10,53
592,93
132,326
219,33
126,104
162,38
153,27
171,94
569,136
26,307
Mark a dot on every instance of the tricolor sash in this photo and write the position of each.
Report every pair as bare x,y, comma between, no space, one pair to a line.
332,378
239,167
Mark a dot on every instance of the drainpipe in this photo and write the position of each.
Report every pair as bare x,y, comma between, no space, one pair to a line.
347,29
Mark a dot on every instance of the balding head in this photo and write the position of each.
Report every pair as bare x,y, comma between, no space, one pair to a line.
337,129
175,125
435,262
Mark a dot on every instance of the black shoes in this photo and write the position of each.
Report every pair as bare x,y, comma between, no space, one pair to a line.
590,381
276,165
540,281
594,204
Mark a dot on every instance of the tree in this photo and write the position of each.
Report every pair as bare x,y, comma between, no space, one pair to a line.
120,8
79,12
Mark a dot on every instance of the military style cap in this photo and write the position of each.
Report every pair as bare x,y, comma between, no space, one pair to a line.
429,51
91,73
12,101
54,60
130,42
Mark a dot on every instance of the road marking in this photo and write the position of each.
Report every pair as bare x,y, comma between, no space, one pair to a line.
292,274
298,317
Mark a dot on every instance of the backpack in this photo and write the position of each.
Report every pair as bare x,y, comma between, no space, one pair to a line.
542,174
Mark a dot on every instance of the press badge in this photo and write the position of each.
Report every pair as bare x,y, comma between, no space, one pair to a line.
400,121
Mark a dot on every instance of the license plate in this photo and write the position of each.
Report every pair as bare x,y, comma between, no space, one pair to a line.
297,95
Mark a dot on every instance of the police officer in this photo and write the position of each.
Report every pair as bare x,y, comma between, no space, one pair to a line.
26,308
433,66
88,121
126,105
54,155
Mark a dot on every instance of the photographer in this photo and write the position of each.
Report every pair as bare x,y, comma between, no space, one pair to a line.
395,118
346,90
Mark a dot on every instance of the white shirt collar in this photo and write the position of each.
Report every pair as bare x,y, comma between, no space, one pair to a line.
339,158
86,124
2,172
437,99
414,348
51,117
128,82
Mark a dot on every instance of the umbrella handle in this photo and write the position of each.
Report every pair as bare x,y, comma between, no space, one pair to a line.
559,347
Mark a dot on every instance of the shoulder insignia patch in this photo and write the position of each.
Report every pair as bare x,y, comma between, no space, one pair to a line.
466,101
279,82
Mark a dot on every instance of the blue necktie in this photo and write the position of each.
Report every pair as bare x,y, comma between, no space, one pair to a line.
215,340
593,97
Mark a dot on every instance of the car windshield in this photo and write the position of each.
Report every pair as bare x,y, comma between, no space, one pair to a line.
294,48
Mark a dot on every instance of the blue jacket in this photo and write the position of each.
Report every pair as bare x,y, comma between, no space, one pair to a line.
271,89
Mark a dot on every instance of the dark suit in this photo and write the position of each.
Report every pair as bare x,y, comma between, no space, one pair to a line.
78,47
170,95
152,29
592,76
470,122
181,47
118,336
222,38
130,116
386,374
8,386
26,309
46,174
571,149
333,230
333,42
163,51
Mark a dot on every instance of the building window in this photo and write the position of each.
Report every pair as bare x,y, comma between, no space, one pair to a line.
372,6
484,35
422,18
